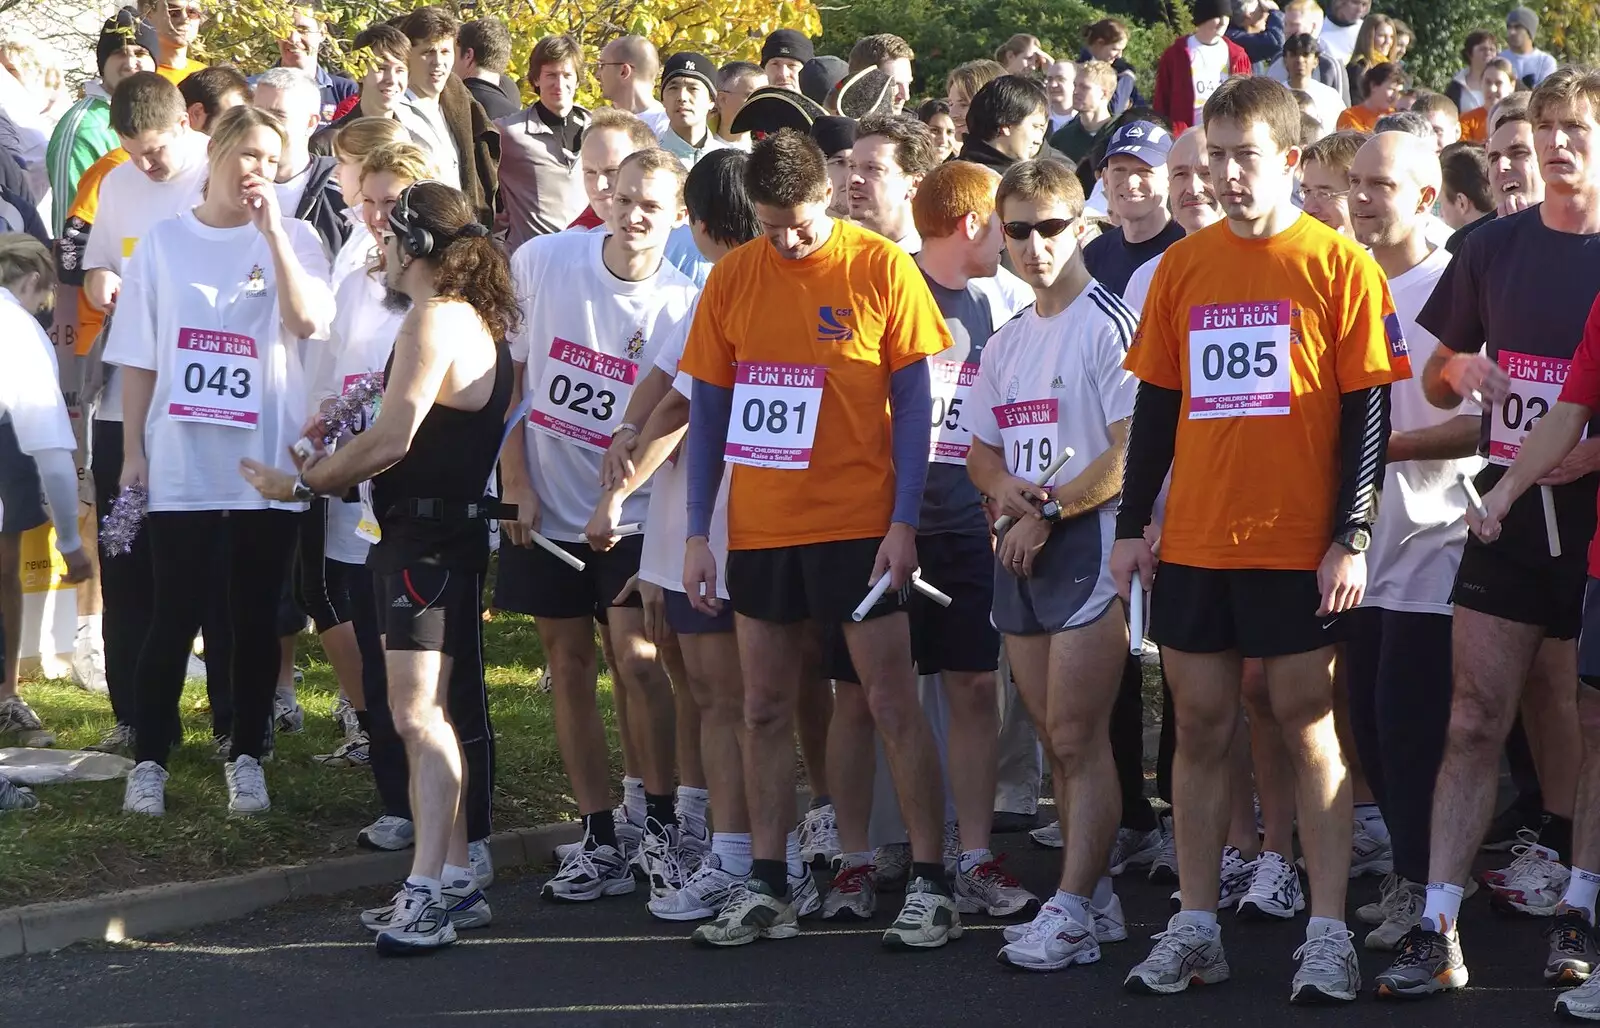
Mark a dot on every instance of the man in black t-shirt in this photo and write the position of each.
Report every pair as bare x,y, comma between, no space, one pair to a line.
1135,173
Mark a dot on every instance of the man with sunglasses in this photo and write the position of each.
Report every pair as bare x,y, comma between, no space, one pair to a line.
1265,355
1051,380
169,29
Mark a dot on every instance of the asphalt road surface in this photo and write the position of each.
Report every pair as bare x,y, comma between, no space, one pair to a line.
610,963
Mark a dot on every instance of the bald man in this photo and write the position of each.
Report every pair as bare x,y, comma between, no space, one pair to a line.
628,69
1398,654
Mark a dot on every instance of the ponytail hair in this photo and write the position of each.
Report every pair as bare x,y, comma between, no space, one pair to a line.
468,265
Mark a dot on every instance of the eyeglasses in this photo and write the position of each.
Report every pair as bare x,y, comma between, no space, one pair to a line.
1049,228
610,64
194,12
1322,194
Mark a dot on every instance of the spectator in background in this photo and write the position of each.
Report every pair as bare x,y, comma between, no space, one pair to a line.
836,137
483,52
1442,117
1532,65
1374,45
783,55
1022,55
463,141
963,83
170,29
1466,88
1382,86
1006,123
1498,81
1059,81
210,91
1300,56
1091,99
307,184
936,115
1257,26
628,68
300,49
735,82
25,129
1304,17
1195,65
1466,200
84,135
688,92
1515,179
541,181
382,88
1105,40
889,54
1325,178
1403,38
1345,18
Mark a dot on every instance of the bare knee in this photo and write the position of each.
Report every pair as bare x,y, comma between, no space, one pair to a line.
1477,724
973,693
765,711
416,721
1205,733
895,710
1075,744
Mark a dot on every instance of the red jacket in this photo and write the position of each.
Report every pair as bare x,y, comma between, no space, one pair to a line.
1174,99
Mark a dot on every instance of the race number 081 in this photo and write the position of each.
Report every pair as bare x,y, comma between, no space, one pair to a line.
772,417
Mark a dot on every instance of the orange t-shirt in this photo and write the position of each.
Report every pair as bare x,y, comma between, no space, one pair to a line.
1258,491
177,75
84,206
1362,119
1475,125
858,307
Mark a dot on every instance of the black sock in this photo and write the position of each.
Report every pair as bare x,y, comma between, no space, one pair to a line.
774,874
1556,834
361,720
600,829
663,808
933,873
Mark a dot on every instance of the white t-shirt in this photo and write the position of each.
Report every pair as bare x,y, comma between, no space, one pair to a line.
425,121
1417,542
655,116
196,302
290,193
360,341
1208,66
1471,99
572,303
129,204
1327,105
666,530
1535,63
359,249
1339,41
30,388
1139,283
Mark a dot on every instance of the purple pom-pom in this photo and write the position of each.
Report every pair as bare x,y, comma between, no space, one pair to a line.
121,527
349,410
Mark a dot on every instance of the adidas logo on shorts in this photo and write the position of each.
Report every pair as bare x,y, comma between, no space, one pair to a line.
402,602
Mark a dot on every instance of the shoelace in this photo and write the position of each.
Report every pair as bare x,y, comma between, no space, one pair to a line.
1402,905
1045,925
919,905
1387,890
851,879
991,873
1568,934
147,784
579,864
1170,943
248,779
1417,947
1523,852
1326,954
1275,872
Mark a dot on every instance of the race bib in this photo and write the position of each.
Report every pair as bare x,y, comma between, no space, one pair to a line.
952,381
774,418
1239,360
1535,387
1028,436
367,527
583,394
218,379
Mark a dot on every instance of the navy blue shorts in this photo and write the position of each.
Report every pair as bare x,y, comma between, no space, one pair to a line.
683,619
21,492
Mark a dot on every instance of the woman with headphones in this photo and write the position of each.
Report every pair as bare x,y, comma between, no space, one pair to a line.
214,305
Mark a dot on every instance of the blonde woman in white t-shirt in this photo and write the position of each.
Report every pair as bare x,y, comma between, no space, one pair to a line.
213,306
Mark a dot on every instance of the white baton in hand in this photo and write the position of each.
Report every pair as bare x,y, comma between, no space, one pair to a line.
1136,614
1551,530
556,551
1473,499
1004,521
881,586
927,590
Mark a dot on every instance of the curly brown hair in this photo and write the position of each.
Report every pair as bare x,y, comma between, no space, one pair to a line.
469,266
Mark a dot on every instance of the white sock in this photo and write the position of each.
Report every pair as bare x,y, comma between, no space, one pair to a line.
734,850
1371,819
1320,926
430,884
633,799
861,859
791,855
1582,889
692,802
89,624
1205,920
1076,906
972,858
454,875
1443,907
1103,893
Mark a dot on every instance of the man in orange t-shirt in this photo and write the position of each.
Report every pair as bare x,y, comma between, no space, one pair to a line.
809,353
1384,84
1265,355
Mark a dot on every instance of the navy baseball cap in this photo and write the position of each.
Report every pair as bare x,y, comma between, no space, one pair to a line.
1142,139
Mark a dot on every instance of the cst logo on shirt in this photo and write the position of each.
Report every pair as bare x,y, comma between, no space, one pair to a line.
830,327
1397,340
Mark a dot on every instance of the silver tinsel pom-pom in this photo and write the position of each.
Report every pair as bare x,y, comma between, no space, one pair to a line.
346,412
119,528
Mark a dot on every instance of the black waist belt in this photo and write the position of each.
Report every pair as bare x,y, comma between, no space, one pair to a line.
453,510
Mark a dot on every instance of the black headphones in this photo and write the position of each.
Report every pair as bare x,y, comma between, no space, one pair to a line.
417,241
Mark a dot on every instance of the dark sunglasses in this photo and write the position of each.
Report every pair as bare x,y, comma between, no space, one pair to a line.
1049,228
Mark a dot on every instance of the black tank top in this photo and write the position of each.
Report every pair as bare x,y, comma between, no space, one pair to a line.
450,459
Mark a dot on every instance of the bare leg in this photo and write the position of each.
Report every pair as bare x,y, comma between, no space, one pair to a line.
686,715
1302,698
286,688
1205,697
852,765
974,750
1242,833
712,662
771,657
1586,823
650,702
339,643
1550,717
1274,774
569,651
813,718
619,704
418,683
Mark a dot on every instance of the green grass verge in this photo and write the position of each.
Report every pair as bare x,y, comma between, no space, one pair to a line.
78,842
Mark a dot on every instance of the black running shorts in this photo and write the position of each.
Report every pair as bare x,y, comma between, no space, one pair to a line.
534,582
424,607
1259,612
820,582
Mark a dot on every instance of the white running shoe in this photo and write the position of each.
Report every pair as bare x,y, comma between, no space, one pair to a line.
928,919
1134,848
418,924
988,888
1233,884
663,858
466,907
951,848
1402,909
1534,884
18,721
694,841
588,875
1376,912
1047,836
353,752
1369,855
247,786
852,895
703,895
804,895
1184,955
1164,865
891,866
1109,924
288,717
15,797
1053,941
751,913
1274,890
629,835
387,833
481,862
1523,853
146,792
89,661
1328,970
819,835
344,716
1582,1003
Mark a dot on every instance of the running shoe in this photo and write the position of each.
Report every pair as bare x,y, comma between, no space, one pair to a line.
465,906
1184,955
1274,890
951,848
481,863
803,894
752,912
1109,923
1053,941
694,840
1535,887
1522,852
1582,1003
1164,865
345,719
288,717
1047,836
1505,831
1573,954
892,866
1402,909
663,858
387,833
146,792
703,895
1369,855
1429,962
18,720
819,835
1376,912
419,924
1328,969
629,835
928,919
89,661
1134,848
355,752
15,797
852,895
988,888
1233,883
586,875
247,786
118,740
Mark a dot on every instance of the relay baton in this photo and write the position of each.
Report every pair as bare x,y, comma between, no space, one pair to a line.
1473,499
551,548
881,586
1136,614
1551,530
1004,521
927,590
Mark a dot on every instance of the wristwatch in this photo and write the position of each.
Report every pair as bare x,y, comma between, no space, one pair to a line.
302,492
1356,539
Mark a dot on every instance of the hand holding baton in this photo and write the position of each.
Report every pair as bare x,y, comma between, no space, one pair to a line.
1004,521
551,548
881,586
1136,614
1473,499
